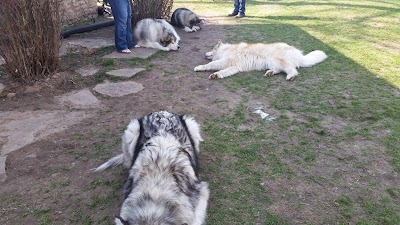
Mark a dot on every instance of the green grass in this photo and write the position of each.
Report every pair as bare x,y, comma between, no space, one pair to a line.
335,121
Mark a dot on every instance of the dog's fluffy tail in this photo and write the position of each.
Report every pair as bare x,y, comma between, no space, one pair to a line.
313,58
115,161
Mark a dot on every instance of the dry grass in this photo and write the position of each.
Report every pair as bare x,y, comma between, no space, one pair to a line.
151,9
30,38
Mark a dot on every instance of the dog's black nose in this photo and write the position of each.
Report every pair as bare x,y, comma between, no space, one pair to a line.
179,47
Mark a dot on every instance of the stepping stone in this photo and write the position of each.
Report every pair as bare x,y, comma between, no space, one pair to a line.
80,99
19,129
89,71
3,175
142,53
126,73
2,87
2,61
118,89
87,45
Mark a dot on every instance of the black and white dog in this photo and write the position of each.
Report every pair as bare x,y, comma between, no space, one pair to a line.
163,186
186,20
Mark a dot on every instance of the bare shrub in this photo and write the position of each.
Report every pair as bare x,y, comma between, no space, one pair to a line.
30,38
159,9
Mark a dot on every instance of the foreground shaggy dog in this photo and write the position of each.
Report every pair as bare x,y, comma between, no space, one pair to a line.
186,20
156,33
230,59
163,185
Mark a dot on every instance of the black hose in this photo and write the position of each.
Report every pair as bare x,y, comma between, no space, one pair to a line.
86,28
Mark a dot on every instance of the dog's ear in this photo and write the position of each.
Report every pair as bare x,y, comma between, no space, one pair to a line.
129,141
193,129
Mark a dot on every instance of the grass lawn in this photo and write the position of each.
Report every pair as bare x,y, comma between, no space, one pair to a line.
332,154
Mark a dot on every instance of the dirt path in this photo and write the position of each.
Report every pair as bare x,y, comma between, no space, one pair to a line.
48,177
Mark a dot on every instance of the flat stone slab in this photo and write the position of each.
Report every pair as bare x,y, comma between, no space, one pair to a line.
118,89
142,53
79,99
2,87
125,73
89,71
2,61
87,45
19,129
3,175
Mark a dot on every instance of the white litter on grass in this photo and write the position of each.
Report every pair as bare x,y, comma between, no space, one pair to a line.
263,114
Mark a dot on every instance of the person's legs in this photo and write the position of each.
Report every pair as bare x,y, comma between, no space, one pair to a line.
242,7
120,13
235,9
129,37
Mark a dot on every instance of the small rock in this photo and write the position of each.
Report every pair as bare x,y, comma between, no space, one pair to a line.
31,156
11,95
2,87
32,89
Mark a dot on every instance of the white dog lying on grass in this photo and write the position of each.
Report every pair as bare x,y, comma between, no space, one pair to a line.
230,59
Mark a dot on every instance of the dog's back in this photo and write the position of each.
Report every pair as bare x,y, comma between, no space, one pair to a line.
163,185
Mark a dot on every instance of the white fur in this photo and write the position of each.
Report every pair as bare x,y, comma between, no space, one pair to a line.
129,140
194,130
230,59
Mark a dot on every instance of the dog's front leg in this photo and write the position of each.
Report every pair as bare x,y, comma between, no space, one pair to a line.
224,73
214,65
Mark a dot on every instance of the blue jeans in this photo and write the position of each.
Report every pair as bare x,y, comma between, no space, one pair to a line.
122,12
240,6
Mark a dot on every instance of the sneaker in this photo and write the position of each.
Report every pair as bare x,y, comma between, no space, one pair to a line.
240,15
232,14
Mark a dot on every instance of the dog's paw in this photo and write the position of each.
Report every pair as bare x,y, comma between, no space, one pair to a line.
195,28
165,49
269,73
289,78
215,76
199,68
187,29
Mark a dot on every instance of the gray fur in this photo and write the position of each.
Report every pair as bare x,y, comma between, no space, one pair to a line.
156,33
163,186
186,20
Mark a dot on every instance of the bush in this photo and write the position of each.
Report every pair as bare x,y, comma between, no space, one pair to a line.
30,38
159,9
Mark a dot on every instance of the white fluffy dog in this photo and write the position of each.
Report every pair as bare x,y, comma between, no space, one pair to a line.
230,59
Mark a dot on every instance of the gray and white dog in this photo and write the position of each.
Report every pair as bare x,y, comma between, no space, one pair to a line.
156,33
186,20
163,186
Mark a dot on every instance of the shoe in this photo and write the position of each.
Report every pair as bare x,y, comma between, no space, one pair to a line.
240,15
232,14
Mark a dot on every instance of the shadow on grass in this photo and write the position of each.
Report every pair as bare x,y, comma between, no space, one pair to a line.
338,87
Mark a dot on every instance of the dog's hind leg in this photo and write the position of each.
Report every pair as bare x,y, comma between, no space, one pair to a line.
224,73
291,73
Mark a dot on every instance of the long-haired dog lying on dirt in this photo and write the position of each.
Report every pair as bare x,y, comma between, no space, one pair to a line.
230,59
163,186
156,33
186,20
